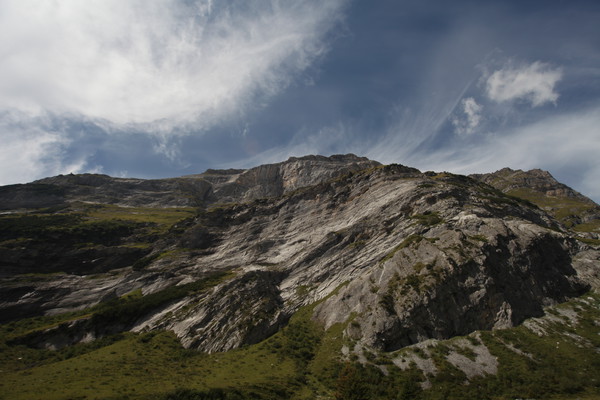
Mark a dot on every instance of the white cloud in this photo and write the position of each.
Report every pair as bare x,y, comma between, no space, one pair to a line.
29,152
534,83
471,119
165,67
155,65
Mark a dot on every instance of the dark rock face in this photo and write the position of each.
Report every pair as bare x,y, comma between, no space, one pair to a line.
32,195
406,256
451,284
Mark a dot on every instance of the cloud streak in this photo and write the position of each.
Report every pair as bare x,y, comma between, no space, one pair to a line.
165,68
565,145
156,65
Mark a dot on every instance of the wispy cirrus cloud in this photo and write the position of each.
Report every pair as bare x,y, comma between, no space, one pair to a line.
167,68
338,138
159,64
534,83
28,151
567,145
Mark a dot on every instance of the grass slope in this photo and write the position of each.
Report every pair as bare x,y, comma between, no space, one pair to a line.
567,210
82,223
560,361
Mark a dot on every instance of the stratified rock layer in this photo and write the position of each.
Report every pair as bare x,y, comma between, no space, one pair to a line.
404,256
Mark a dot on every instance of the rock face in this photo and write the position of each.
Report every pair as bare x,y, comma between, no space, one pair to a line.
445,283
273,180
569,207
538,180
213,186
395,255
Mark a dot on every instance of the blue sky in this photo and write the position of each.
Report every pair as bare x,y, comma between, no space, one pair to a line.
172,87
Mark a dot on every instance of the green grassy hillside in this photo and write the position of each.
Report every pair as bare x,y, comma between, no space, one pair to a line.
557,360
554,357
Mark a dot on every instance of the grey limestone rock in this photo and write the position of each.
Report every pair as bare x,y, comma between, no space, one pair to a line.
406,256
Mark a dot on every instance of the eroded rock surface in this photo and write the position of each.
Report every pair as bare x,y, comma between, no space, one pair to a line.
407,256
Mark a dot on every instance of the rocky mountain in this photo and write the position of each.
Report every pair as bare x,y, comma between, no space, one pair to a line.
213,186
569,207
387,256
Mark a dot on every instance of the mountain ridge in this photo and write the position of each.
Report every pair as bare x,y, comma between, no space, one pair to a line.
393,256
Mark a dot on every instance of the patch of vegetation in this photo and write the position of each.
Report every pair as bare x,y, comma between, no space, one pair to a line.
145,261
404,284
35,226
593,226
410,240
302,290
428,218
412,281
499,200
498,197
387,302
158,215
567,210
443,176
474,341
85,224
420,352
479,238
257,392
301,362
365,382
357,244
466,351
418,267
158,219
221,207
591,242
300,340
101,232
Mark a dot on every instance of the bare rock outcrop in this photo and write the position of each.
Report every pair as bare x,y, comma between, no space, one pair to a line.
396,255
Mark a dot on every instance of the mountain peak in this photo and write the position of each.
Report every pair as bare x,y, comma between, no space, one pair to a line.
272,180
381,257
539,180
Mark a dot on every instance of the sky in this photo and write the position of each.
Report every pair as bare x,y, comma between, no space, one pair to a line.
164,88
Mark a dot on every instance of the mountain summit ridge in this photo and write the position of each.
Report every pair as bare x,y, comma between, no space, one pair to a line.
212,186
388,255
318,222
507,179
